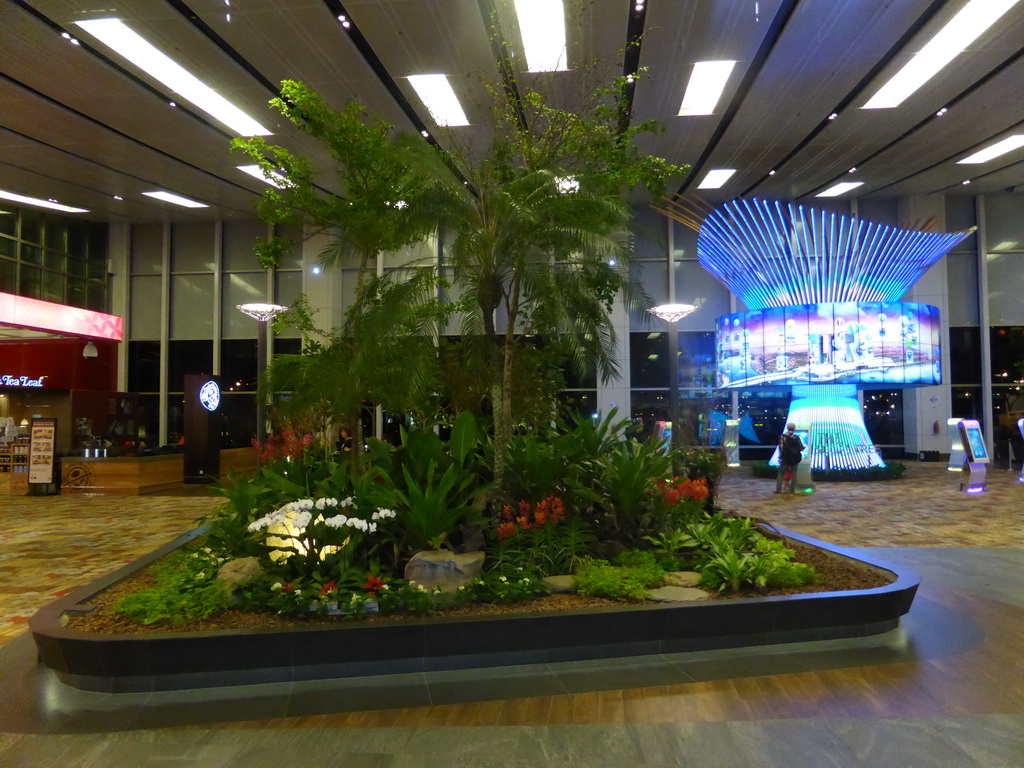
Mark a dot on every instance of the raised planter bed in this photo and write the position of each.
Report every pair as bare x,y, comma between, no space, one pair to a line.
172,660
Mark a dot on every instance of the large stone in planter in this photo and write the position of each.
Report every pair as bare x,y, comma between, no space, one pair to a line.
561,585
444,569
682,579
676,594
235,572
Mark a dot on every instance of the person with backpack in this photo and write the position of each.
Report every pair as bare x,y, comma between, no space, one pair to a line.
790,453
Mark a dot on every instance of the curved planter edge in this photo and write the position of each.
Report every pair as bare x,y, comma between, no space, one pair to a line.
173,660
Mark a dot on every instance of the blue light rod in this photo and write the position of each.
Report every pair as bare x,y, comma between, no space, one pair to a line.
774,255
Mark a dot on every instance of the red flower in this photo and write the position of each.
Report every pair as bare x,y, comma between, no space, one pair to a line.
287,587
327,587
505,530
506,513
373,583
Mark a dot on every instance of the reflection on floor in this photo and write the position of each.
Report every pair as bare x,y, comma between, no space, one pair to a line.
945,689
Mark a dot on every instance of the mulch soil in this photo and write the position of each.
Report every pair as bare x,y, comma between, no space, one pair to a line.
836,575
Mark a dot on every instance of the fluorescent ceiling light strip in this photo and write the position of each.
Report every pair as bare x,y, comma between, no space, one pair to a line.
168,197
116,35
707,81
996,150
16,198
963,29
439,98
716,179
542,27
274,179
839,189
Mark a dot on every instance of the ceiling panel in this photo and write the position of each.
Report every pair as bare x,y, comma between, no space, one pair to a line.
78,128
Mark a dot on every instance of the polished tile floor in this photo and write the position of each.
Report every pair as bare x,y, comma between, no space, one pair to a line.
945,689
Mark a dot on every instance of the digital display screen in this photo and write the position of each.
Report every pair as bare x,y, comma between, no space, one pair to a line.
870,344
974,440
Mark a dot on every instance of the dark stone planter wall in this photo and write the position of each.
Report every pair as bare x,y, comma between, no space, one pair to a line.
120,663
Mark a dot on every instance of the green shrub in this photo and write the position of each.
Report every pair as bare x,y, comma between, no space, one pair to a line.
186,589
501,589
598,578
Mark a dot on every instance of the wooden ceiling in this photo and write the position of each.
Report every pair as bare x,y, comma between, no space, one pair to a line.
82,125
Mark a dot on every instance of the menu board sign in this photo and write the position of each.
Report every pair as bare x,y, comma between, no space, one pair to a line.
42,437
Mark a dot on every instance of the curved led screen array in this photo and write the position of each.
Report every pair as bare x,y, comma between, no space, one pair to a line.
774,254
825,316
870,344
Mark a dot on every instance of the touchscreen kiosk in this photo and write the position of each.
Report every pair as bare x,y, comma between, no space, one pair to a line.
975,456
956,446
804,482
1020,426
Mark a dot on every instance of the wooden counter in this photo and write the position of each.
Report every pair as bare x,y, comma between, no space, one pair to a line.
130,475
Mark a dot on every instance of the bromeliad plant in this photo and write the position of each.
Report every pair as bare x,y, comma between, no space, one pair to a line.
539,538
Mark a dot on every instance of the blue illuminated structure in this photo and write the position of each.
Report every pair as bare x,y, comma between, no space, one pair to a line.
825,315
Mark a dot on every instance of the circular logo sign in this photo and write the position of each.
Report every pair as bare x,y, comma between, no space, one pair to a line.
209,395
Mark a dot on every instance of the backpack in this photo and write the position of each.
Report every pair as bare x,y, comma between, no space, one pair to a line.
792,449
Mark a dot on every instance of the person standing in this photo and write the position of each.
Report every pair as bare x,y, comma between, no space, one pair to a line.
790,453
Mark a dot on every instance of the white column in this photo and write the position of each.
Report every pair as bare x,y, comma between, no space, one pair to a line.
924,407
119,267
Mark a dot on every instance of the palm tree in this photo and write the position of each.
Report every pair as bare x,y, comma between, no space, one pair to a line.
384,352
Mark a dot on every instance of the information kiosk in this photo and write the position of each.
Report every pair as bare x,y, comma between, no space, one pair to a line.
804,481
1020,426
975,456
956,446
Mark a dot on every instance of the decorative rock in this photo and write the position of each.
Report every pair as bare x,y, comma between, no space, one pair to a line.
235,572
561,585
444,569
682,579
677,594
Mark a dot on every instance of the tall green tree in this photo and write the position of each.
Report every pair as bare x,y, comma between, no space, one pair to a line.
384,352
365,202
539,232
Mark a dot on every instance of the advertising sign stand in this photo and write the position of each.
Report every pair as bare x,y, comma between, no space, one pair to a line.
202,428
976,456
956,446
41,456
804,482
1020,426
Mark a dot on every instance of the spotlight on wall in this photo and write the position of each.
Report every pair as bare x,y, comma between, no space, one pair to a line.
90,352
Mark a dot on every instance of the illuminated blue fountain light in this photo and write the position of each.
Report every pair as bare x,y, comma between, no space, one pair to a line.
772,254
838,437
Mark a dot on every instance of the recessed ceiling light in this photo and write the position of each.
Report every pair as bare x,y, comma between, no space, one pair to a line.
118,197
968,181
542,28
833,116
168,197
274,179
707,81
116,35
716,178
963,29
425,134
771,173
439,98
999,148
16,198
840,188
852,170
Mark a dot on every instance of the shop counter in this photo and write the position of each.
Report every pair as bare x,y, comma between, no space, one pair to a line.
124,475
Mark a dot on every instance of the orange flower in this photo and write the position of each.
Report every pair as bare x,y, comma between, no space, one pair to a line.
506,513
505,530
524,523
